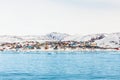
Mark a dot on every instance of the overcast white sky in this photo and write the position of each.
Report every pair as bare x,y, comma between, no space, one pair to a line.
35,17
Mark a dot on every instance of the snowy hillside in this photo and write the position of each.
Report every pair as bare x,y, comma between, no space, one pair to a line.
78,37
110,41
10,39
35,38
54,36
103,40
57,36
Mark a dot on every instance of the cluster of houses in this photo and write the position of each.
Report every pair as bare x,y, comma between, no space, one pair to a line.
50,45
54,45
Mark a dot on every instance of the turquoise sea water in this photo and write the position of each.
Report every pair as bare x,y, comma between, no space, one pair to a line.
60,65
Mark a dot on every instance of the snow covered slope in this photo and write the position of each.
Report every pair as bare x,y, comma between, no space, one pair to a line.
10,39
103,40
78,37
110,41
54,36
57,36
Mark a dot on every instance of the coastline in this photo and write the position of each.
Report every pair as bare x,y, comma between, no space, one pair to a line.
60,50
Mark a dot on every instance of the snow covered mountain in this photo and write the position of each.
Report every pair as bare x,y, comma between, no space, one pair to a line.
57,36
110,41
91,37
103,40
54,36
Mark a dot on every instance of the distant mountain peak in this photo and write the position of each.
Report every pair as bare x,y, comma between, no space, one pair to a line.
57,36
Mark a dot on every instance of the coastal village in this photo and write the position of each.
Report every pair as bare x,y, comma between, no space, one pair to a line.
48,46
60,42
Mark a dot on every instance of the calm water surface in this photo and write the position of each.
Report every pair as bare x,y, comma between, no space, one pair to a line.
60,65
